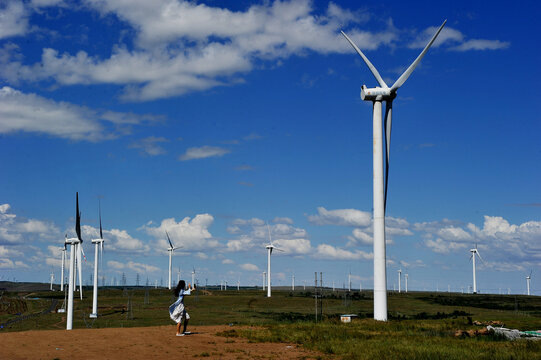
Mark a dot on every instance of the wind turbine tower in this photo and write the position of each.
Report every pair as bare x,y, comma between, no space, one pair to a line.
406,278
264,279
377,95
269,248
528,278
170,250
293,282
399,279
474,252
97,256
52,280
63,264
193,275
74,242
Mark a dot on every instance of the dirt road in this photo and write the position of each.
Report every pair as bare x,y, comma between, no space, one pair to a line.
141,343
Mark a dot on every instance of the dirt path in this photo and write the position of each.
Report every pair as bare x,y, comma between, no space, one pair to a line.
157,342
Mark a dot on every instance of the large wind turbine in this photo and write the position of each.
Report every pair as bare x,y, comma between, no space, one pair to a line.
269,248
97,256
377,95
170,250
474,252
193,276
74,242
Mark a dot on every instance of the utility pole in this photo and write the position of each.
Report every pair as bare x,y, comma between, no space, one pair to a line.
315,291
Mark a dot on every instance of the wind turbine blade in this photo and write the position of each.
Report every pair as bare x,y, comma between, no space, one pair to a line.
168,239
402,79
268,229
77,217
479,255
367,62
101,232
388,125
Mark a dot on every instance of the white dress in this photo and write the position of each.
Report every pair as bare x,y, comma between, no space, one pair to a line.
177,310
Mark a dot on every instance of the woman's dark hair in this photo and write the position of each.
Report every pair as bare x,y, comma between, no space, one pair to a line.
181,285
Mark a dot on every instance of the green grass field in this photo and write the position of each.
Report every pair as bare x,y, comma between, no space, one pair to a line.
421,325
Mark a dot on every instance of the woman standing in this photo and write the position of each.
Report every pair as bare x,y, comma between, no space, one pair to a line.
177,311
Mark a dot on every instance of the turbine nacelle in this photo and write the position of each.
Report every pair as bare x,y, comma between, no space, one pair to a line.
377,93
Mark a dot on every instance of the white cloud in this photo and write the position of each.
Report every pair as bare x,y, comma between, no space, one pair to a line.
443,247
12,229
139,268
415,264
13,19
149,145
254,233
183,46
203,152
283,220
481,44
116,240
329,252
10,264
455,38
249,267
191,234
21,112
293,246
341,217
227,261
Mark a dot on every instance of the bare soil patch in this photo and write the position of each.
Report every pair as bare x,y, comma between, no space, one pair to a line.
158,342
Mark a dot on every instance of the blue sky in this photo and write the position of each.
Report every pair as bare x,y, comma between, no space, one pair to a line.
208,119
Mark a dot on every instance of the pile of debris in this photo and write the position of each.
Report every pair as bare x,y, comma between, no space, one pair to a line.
514,334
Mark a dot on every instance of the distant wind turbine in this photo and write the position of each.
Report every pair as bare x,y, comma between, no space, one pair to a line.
170,249
98,258
406,278
63,249
269,248
474,252
528,279
52,280
377,95
399,279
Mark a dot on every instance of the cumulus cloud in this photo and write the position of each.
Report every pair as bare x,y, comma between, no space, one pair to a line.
203,152
254,233
183,46
341,217
481,44
13,229
20,112
136,267
116,240
500,240
249,267
13,19
190,233
455,40
329,252
227,261
150,145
